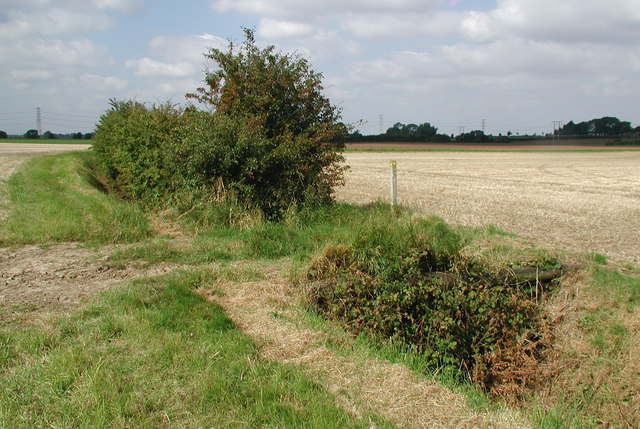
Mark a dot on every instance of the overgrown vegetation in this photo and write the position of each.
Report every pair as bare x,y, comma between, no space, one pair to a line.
410,282
463,275
272,140
251,179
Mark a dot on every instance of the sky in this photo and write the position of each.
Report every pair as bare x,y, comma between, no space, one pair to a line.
505,65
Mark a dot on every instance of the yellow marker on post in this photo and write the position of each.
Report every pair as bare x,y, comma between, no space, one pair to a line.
394,184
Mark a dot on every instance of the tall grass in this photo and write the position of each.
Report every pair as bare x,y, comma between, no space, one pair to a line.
51,201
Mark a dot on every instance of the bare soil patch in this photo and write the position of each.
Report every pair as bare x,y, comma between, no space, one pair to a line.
584,201
38,279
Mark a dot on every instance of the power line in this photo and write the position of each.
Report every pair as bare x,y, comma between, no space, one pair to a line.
556,126
38,121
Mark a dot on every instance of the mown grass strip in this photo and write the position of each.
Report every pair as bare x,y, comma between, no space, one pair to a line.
153,354
50,201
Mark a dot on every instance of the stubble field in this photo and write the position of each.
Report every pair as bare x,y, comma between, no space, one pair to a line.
585,201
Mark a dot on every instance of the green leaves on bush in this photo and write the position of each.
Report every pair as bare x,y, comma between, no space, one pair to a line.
271,141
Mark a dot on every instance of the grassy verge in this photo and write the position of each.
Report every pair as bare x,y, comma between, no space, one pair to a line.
153,354
599,342
51,201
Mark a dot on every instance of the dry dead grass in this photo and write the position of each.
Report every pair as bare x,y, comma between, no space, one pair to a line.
585,201
265,311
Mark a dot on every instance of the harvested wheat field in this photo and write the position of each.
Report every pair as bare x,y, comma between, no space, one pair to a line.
584,201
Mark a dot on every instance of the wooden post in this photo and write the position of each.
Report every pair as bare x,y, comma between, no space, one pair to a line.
394,184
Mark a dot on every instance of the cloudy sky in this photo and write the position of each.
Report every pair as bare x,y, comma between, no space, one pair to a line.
518,65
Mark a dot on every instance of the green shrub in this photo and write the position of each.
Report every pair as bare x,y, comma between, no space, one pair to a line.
132,146
272,140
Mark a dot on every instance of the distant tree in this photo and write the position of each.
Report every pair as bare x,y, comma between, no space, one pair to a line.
606,126
3,135
31,134
412,132
88,136
77,136
475,136
611,126
48,135
426,132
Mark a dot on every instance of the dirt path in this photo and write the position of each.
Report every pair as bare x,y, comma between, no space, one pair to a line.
266,311
36,280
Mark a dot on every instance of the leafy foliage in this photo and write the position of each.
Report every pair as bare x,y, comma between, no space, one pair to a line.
272,140
409,283
133,148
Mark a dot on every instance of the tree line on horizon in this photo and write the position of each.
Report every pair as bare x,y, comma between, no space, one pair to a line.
606,126
48,135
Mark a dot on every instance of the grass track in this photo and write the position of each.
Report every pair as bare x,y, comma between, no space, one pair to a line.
153,354
52,202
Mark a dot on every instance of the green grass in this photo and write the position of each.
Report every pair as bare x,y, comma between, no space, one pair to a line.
153,354
51,201
625,289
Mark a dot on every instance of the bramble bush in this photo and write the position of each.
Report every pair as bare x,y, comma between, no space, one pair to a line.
270,140
409,282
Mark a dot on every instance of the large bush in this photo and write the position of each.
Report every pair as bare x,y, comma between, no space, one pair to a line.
270,138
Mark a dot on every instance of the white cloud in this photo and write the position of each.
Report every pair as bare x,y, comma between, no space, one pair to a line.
479,27
311,10
399,25
126,6
279,29
184,48
505,65
568,21
30,75
51,22
151,68
58,55
103,84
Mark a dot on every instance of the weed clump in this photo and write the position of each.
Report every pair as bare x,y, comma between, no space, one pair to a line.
410,282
